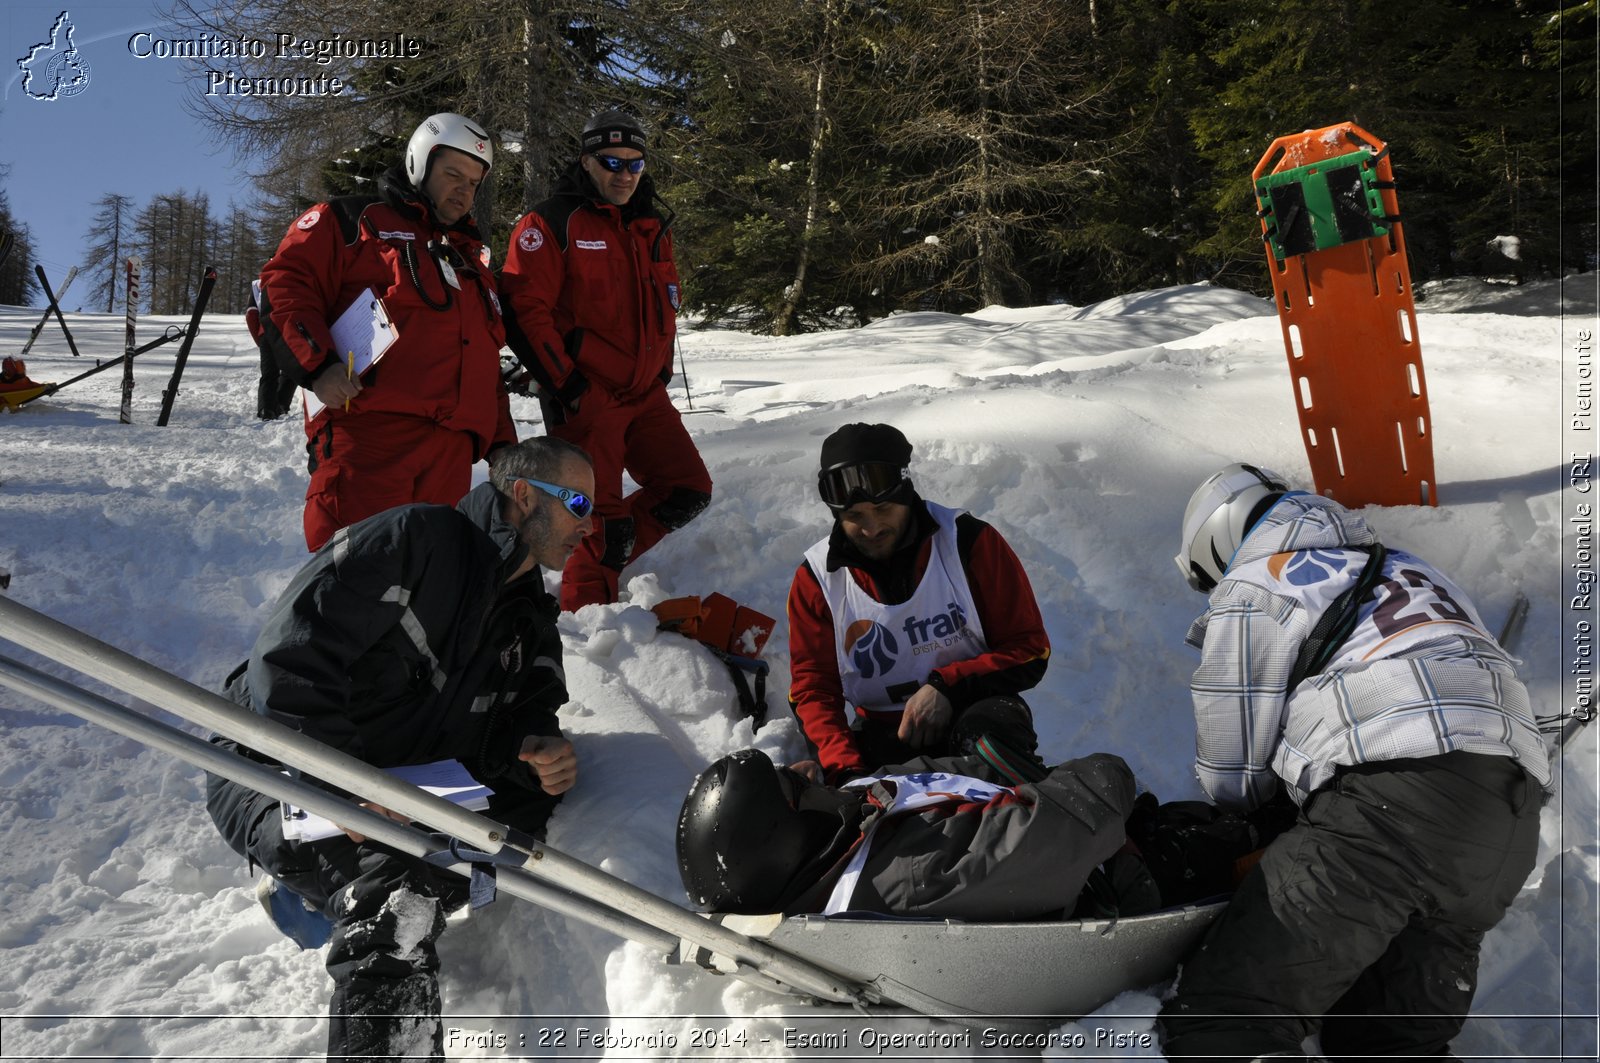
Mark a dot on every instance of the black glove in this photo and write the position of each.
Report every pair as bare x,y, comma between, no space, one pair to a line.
559,404
571,390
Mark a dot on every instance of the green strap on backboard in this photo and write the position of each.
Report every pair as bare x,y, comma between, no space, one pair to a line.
1322,205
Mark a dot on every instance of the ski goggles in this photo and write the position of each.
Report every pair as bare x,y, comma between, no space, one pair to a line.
577,503
875,481
616,165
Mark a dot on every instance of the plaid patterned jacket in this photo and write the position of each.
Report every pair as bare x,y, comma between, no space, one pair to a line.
1448,686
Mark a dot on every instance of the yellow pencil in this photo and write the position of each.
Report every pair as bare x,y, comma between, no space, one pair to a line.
349,372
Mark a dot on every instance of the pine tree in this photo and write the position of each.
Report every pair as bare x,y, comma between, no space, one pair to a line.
530,71
772,92
18,285
243,245
990,124
1137,226
106,244
1451,85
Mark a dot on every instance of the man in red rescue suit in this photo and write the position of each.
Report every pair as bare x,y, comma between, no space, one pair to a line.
918,616
411,427
593,296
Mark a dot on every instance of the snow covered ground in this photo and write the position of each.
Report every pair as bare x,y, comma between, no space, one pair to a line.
129,930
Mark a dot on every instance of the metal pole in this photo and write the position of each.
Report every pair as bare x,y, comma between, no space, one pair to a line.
683,368
407,839
66,645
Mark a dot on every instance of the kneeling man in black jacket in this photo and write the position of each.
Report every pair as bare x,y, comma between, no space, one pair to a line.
421,634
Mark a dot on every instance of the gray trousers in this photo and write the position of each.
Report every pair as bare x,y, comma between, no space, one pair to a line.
1364,919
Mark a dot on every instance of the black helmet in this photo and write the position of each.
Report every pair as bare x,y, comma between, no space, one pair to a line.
741,839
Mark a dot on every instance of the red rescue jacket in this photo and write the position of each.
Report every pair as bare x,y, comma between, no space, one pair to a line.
1019,648
445,363
594,288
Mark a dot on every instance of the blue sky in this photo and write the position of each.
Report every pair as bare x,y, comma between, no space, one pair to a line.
126,132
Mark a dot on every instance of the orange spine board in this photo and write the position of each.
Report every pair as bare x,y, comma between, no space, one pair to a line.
1355,358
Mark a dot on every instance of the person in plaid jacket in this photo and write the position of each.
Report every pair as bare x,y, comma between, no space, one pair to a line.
1411,753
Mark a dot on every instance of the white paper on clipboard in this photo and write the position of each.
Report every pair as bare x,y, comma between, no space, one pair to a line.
361,335
446,778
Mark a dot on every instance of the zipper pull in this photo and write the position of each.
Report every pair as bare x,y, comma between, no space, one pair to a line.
306,335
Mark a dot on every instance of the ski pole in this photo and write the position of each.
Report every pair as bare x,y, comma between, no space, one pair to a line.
1511,633
101,367
683,369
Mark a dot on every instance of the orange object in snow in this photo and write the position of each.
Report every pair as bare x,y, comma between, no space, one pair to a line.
15,387
1342,286
719,622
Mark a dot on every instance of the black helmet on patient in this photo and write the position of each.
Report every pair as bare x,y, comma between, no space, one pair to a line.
741,838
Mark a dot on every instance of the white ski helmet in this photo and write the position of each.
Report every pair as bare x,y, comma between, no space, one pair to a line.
445,130
1220,514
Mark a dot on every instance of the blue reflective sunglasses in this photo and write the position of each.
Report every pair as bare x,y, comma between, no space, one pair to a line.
615,165
578,504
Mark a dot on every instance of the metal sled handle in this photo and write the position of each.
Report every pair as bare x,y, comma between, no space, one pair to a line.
67,645
407,839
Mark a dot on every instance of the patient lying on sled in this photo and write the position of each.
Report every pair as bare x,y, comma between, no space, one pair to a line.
953,838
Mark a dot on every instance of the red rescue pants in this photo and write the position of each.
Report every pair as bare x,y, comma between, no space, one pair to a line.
366,463
645,437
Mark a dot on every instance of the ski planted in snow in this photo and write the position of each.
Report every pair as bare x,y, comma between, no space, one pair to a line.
126,414
53,307
171,393
1342,286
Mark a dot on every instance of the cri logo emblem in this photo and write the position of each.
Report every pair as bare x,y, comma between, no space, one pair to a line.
1305,567
871,647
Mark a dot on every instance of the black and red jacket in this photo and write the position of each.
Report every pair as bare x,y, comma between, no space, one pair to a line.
1019,649
445,362
594,290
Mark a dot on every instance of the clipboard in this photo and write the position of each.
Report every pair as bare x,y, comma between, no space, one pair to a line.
361,335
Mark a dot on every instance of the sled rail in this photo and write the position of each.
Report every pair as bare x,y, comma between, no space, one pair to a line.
959,972
407,839
83,653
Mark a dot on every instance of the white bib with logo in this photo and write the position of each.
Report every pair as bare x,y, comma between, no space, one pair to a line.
912,793
886,652
1412,601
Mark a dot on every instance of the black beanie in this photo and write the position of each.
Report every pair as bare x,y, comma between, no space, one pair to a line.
612,129
860,444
